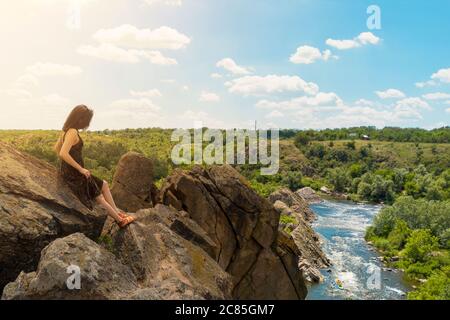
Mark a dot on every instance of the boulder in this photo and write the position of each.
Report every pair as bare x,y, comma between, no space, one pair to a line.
311,273
133,188
243,228
36,207
102,276
309,195
156,252
302,235
145,261
325,190
293,202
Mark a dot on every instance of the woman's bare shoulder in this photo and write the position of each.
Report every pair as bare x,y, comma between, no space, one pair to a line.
71,135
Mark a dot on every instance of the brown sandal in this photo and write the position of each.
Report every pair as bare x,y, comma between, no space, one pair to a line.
126,221
122,214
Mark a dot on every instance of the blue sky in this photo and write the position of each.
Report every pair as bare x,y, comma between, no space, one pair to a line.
175,63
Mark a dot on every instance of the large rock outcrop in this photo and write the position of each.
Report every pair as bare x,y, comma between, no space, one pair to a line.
212,237
133,188
145,261
243,229
294,201
157,250
35,208
307,241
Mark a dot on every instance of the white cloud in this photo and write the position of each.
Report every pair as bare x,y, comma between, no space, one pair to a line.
128,44
132,37
185,88
156,57
437,96
368,38
209,97
254,85
343,44
328,110
442,75
349,116
148,93
274,114
414,102
216,75
447,110
322,101
429,83
390,94
53,69
113,53
364,38
308,55
109,52
365,103
231,66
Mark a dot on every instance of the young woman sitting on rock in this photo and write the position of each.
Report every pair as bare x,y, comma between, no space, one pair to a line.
87,187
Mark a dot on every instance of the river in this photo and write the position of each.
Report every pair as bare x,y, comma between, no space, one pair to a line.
356,266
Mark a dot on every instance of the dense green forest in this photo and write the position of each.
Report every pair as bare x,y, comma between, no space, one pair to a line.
407,169
440,135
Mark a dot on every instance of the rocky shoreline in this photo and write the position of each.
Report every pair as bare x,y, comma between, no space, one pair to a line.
205,235
296,205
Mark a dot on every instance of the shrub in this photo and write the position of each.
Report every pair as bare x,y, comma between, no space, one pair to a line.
293,180
437,287
419,246
399,235
301,139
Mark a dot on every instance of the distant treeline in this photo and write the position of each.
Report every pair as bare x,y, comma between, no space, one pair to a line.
440,135
394,134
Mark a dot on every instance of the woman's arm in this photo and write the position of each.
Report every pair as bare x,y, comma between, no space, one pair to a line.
58,145
70,140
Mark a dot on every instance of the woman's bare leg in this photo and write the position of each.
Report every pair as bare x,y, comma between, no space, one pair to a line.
111,211
108,196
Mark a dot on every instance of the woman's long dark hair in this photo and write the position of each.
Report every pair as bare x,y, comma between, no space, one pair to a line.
79,118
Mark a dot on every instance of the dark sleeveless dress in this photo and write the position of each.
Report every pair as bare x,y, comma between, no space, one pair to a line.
85,189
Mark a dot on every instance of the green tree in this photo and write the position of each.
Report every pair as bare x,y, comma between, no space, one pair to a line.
419,246
383,223
351,145
339,179
302,139
399,235
293,180
355,170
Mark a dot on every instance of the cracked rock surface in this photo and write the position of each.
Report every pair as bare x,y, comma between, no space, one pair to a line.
35,209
